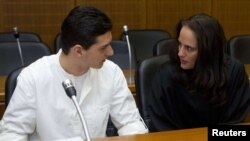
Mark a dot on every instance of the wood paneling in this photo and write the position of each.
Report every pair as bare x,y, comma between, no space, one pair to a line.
122,12
233,15
165,14
43,17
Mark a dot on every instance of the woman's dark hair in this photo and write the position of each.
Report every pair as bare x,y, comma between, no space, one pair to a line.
82,26
209,76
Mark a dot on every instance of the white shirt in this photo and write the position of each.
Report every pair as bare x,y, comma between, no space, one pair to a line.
40,109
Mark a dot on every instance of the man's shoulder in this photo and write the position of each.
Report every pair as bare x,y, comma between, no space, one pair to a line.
40,65
109,66
108,69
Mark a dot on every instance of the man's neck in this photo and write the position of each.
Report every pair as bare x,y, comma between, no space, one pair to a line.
70,65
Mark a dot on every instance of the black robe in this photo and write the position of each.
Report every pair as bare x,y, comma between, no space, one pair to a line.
171,106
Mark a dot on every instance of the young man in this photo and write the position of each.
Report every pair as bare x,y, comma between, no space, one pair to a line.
41,110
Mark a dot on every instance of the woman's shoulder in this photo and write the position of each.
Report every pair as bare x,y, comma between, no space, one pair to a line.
167,67
165,70
236,68
234,63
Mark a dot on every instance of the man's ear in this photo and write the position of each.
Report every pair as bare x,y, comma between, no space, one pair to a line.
78,50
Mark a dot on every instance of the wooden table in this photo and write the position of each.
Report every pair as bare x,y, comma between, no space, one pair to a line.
2,96
247,68
192,134
130,79
2,87
195,134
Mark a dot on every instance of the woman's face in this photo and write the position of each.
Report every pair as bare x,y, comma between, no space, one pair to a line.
188,48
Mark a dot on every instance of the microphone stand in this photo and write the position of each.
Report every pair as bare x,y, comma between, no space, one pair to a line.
125,28
71,92
16,35
84,124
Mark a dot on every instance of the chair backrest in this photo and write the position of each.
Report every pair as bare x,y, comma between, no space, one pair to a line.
57,42
10,84
165,46
121,55
23,37
144,75
10,58
239,48
143,41
111,129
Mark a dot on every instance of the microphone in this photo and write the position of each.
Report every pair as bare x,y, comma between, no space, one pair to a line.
15,30
16,35
71,93
125,29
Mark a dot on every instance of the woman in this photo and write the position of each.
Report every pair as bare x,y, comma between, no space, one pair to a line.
200,85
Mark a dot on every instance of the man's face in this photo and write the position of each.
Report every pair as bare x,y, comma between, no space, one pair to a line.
97,54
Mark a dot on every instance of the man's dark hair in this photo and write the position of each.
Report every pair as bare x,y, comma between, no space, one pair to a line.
82,26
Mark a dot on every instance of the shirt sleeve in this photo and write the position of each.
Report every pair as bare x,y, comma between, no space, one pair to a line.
19,118
124,113
7,136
